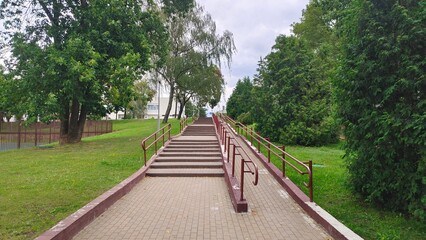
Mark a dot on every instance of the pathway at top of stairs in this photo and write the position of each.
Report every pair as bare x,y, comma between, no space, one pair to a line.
196,153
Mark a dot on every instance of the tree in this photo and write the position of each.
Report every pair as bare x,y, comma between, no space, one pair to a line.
240,101
292,105
203,82
382,102
143,94
194,41
75,55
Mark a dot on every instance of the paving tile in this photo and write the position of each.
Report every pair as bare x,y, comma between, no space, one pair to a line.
200,208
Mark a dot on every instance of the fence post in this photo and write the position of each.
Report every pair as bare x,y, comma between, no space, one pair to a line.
19,134
35,134
50,132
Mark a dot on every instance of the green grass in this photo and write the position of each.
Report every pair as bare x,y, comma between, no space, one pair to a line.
331,192
41,186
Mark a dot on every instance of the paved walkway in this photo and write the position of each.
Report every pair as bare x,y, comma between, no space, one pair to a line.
200,208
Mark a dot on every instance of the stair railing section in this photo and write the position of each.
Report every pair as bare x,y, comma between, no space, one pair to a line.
228,141
302,168
184,122
154,139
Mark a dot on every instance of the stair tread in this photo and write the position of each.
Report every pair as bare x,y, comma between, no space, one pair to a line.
186,164
184,171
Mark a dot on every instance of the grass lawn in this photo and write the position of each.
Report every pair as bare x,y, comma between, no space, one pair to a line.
41,186
331,192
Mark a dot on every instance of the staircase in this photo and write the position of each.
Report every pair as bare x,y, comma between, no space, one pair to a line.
196,153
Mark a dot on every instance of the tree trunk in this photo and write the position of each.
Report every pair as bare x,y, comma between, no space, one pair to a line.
63,133
169,106
176,102
72,123
181,107
74,128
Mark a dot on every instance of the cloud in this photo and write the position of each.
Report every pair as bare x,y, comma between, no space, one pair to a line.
255,25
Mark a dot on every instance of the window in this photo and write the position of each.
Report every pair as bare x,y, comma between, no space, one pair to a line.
152,107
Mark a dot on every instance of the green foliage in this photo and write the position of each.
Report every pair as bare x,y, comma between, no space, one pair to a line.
382,102
143,94
245,118
292,102
189,109
240,101
81,58
197,51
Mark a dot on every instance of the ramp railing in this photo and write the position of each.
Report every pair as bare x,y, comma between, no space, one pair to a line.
246,164
302,168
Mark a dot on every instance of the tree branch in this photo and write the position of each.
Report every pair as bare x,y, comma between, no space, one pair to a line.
48,13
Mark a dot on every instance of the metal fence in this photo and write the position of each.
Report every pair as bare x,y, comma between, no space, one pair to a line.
14,135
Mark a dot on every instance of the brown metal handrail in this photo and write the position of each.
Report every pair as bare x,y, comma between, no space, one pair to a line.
275,150
227,140
155,137
183,124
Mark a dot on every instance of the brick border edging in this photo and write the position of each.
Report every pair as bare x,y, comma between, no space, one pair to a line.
74,223
333,227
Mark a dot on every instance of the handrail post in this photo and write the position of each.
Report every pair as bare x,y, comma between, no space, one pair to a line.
155,142
163,135
311,187
251,136
170,129
229,143
225,140
242,180
233,155
269,150
144,152
258,142
283,148
233,164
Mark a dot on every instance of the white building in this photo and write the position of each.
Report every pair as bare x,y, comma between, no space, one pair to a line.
152,107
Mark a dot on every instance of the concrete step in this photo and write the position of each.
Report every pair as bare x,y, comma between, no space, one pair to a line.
188,159
192,154
193,150
193,141
185,172
186,165
211,146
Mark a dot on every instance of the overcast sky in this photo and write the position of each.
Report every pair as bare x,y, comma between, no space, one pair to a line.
255,25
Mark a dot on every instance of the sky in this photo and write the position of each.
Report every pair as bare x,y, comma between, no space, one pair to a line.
255,25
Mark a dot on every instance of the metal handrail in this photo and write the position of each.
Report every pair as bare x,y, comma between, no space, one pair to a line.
227,140
155,137
183,124
275,150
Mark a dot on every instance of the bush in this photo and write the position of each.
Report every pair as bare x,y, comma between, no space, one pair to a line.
382,102
245,118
